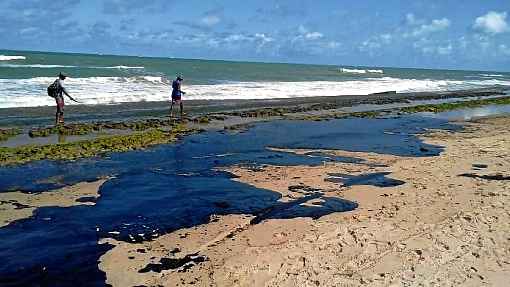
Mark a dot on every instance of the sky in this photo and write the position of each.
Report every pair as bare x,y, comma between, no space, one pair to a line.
451,34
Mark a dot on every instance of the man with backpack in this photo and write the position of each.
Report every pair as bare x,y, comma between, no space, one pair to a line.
56,91
177,94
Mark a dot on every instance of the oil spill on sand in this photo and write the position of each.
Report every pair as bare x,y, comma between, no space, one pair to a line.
57,245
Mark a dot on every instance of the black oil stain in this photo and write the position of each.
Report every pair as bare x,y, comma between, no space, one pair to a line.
378,179
486,176
174,263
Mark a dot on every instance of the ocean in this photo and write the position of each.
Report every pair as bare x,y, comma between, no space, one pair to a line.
107,79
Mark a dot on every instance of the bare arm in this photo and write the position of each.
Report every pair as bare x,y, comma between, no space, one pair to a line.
69,96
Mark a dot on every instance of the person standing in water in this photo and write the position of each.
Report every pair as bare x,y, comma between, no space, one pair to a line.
177,95
56,91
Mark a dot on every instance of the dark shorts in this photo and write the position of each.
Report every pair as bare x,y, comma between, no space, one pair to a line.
176,98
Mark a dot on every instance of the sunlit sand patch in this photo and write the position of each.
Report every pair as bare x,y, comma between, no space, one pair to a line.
129,264
18,205
294,182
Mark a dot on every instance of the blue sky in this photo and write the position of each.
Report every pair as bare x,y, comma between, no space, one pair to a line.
470,34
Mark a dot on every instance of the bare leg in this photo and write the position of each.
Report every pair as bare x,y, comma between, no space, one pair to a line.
181,108
171,108
57,117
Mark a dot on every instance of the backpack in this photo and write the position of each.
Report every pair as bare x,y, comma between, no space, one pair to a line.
53,89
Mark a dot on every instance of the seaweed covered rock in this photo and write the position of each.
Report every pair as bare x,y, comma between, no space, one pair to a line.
89,148
437,108
5,134
86,128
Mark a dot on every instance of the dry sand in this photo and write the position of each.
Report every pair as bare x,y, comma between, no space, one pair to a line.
437,229
18,205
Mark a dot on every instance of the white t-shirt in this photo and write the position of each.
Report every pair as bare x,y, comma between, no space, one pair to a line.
61,83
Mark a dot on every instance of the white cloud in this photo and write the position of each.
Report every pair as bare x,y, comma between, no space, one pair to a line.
445,50
375,43
263,38
435,26
307,34
236,38
493,22
432,47
210,20
313,35
440,50
386,38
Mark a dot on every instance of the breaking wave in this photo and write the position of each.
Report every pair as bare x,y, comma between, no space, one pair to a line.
113,90
35,66
360,71
121,67
42,66
10,58
492,75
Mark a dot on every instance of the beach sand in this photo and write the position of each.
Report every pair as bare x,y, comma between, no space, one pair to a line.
18,205
421,221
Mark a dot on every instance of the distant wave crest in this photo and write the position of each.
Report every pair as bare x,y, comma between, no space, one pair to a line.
43,66
492,75
121,67
39,66
360,71
10,58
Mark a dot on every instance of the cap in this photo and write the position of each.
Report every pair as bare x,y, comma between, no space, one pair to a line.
60,75
179,78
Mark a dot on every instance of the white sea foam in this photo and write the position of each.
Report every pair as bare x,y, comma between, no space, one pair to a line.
42,66
492,75
360,71
35,66
121,67
10,58
111,90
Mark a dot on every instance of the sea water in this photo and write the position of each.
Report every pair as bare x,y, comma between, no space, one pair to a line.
107,79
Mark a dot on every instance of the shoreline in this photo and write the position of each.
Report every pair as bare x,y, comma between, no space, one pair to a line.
44,115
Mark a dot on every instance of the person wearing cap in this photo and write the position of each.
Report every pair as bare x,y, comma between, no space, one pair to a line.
177,95
56,91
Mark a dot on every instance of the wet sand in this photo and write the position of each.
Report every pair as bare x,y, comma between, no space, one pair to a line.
18,205
420,221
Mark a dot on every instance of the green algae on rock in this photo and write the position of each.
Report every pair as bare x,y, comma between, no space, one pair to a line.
90,148
5,134
437,108
86,128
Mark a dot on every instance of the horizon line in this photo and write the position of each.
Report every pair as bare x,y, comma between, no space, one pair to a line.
249,61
